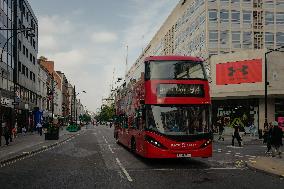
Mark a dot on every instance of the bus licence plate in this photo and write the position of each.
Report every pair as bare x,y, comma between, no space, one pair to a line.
183,155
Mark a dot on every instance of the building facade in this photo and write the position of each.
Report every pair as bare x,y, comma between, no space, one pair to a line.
65,96
237,87
19,48
54,88
204,28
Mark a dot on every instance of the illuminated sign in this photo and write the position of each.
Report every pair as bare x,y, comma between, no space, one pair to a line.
180,90
247,71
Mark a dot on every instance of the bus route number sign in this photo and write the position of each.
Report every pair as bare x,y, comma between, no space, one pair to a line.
180,90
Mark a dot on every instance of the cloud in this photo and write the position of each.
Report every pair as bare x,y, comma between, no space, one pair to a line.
145,23
54,24
88,56
103,37
47,43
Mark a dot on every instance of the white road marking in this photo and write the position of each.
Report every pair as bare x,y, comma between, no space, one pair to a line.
168,169
223,168
105,139
124,170
234,147
238,156
110,149
228,153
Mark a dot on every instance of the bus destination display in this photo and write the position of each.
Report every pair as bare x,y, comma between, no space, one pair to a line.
180,90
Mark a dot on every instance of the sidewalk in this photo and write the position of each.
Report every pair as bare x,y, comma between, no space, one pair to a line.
271,165
28,143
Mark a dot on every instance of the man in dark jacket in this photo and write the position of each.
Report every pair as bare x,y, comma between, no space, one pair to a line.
236,135
276,139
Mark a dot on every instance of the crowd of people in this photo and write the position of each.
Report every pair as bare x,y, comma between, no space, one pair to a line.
9,132
273,138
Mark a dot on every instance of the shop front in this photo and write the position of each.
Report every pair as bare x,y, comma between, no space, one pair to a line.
279,111
233,112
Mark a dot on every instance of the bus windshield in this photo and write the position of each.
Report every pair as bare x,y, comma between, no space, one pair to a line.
178,120
175,70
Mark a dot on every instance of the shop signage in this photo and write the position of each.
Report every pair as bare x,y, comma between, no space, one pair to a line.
180,90
247,71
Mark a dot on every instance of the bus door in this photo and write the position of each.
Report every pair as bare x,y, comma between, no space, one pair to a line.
139,132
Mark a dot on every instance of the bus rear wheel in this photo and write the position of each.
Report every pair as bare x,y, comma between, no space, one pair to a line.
133,145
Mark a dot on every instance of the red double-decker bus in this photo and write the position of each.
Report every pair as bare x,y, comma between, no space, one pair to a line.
163,109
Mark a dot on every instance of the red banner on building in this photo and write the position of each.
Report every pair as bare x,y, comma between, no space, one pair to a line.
247,71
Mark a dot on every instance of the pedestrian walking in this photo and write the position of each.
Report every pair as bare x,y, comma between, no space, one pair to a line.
39,128
276,139
24,130
220,125
6,132
268,134
1,131
236,135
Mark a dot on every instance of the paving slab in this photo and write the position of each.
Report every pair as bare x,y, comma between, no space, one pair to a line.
28,143
270,165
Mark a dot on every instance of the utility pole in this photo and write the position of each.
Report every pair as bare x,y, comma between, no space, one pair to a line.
74,101
52,105
15,53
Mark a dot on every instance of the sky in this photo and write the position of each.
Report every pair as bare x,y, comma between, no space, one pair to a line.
87,39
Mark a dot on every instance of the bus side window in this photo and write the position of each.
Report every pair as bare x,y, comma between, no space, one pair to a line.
139,118
125,122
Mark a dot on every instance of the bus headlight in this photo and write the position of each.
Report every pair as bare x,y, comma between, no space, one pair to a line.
205,144
154,142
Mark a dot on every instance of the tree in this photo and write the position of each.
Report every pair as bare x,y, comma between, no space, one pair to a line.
85,118
106,114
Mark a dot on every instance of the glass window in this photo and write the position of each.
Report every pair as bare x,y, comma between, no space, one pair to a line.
213,15
235,1
268,4
269,18
280,18
224,16
279,3
174,70
246,1
23,69
27,72
213,36
247,17
224,37
269,39
178,120
19,66
236,17
247,39
280,38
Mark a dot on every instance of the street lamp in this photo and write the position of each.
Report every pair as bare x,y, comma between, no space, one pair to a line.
266,83
75,101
